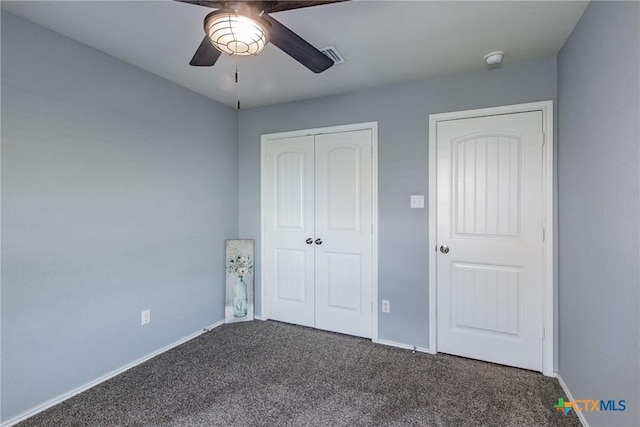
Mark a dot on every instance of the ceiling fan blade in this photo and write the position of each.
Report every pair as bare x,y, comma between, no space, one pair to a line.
205,3
206,55
279,6
296,47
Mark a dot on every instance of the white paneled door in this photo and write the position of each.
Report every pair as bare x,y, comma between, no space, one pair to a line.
319,231
289,210
344,219
489,237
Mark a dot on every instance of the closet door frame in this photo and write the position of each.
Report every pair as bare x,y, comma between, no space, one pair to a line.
373,127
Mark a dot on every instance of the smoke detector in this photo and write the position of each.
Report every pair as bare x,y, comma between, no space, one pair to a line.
494,58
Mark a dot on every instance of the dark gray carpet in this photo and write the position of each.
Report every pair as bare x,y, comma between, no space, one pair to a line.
274,374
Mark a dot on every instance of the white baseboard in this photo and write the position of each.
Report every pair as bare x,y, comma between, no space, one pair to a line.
211,327
260,318
405,346
570,397
59,399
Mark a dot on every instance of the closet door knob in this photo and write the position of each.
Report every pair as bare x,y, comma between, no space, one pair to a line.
318,241
309,241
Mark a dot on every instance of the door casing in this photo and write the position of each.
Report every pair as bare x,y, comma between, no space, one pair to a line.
547,199
373,126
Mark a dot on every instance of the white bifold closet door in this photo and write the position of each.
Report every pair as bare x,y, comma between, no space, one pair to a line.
318,231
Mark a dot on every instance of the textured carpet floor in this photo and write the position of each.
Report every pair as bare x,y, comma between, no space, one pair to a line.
274,374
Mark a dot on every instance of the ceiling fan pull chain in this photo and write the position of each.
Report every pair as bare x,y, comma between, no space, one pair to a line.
237,83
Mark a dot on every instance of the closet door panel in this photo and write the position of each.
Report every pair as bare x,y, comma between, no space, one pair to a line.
289,223
343,225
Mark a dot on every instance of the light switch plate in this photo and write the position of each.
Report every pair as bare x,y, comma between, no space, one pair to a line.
417,202
146,316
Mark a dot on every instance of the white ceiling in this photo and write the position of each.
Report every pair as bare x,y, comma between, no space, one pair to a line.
382,41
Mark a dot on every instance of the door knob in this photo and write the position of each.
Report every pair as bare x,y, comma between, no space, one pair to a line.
309,241
318,241
444,249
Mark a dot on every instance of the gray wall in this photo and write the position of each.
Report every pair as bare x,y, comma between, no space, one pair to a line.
118,191
402,112
599,209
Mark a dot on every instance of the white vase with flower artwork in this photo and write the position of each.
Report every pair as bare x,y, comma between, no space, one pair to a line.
239,266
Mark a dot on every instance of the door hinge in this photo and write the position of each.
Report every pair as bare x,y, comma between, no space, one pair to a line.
544,234
542,331
544,139
372,229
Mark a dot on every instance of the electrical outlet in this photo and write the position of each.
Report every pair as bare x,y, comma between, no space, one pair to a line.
146,316
386,306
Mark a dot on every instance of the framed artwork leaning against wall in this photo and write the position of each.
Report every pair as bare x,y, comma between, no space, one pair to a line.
239,257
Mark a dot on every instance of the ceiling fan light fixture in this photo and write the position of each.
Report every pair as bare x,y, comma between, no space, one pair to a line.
236,34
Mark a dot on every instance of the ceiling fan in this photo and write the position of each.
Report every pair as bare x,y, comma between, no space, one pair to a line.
245,27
